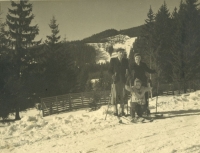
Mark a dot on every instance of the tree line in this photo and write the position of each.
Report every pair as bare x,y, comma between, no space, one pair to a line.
170,44
33,69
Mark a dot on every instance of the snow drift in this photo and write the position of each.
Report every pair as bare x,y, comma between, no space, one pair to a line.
180,123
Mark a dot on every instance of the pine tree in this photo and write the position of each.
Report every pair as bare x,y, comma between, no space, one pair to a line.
53,38
162,41
186,48
51,48
177,44
83,54
4,67
59,75
83,78
3,36
22,36
174,13
149,36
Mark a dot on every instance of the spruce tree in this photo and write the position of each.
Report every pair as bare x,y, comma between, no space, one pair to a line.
177,44
186,46
22,36
149,37
53,38
4,65
3,36
83,78
162,41
59,75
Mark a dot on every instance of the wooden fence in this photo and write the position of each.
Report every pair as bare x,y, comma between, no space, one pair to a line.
69,102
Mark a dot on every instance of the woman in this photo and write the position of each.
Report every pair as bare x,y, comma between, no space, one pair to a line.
139,69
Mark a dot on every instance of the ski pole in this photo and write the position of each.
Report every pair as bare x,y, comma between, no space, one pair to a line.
157,95
127,94
108,106
109,101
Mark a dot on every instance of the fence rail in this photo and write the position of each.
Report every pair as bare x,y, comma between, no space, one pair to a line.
176,87
69,102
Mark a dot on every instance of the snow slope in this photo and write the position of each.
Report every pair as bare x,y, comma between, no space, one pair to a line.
83,131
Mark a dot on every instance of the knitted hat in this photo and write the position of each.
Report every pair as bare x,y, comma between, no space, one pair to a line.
137,80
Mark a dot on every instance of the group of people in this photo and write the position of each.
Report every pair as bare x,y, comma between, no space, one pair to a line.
130,77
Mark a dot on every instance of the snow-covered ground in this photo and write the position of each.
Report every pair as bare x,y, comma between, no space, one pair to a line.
83,131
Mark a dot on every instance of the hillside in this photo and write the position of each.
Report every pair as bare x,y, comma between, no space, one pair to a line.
132,32
101,36
96,38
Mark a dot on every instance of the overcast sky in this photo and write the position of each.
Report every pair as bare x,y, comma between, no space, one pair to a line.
78,19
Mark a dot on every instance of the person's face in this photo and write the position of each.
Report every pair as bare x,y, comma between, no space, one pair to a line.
138,85
137,59
120,53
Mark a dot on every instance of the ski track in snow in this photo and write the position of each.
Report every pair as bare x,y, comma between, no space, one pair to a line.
85,132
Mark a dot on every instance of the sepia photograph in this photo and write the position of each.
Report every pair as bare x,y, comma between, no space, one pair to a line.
99,76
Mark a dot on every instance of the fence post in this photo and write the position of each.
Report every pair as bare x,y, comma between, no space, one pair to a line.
70,102
82,98
56,104
42,108
104,96
51,109
100,99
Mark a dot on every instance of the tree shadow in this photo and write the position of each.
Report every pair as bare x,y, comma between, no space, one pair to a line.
193,148
6,121
179,113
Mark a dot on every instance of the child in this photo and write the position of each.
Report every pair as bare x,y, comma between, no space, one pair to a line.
138,98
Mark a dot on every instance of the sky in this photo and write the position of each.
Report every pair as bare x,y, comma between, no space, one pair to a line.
79,19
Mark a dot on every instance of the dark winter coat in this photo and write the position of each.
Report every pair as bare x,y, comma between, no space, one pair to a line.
140,71
119,68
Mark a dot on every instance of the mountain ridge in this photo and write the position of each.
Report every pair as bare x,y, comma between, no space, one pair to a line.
101,36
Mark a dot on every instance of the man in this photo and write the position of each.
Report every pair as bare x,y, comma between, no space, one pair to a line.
139,69
119,70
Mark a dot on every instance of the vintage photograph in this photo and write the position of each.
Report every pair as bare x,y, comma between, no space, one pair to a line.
100,76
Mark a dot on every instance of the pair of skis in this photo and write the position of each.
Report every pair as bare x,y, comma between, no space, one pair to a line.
136,120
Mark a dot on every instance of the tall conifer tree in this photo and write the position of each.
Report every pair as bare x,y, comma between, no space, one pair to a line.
22,36
149,36
186,48
163,41
59,76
